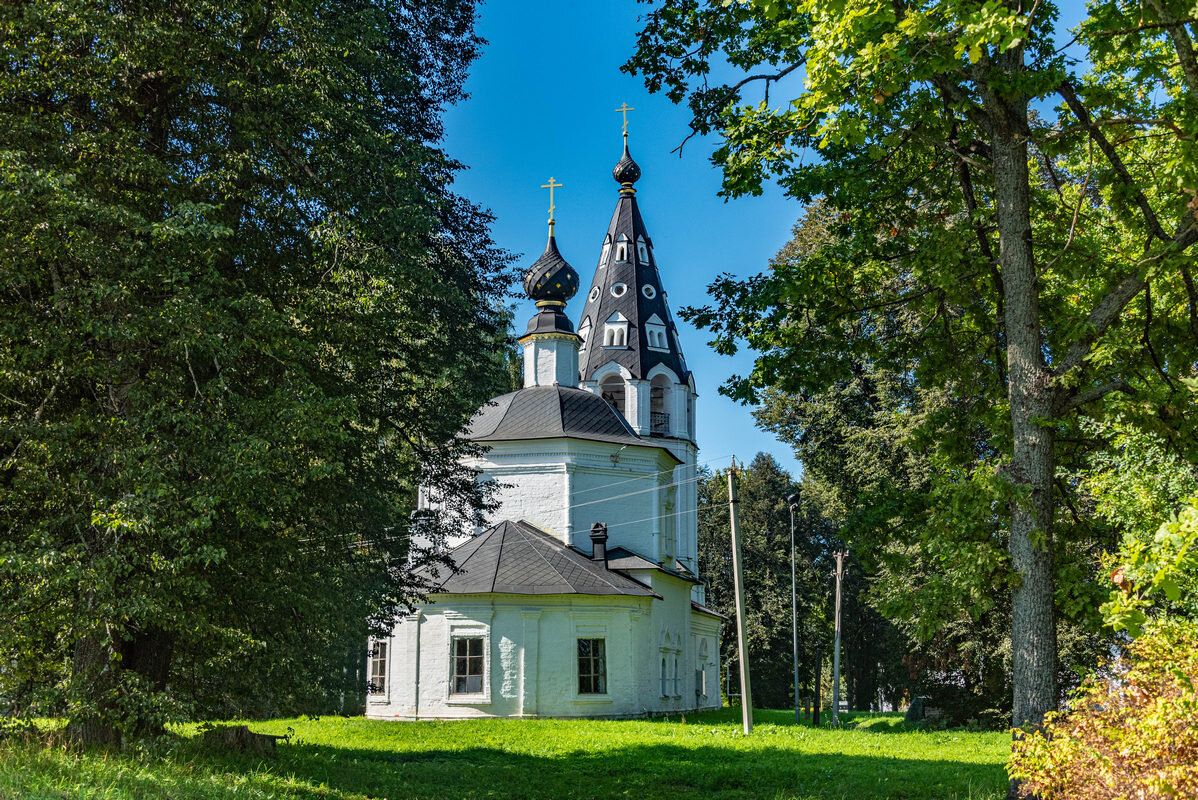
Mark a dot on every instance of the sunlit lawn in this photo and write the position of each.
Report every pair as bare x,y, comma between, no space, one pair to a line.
707,756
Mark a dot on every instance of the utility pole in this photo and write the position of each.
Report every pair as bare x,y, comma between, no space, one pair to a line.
746,693
817,685
840,572
793,500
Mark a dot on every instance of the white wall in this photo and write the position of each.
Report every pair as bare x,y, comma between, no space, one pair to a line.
531,655
565,485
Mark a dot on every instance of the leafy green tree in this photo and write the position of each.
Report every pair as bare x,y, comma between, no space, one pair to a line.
764,516
1148,487
1007,228
241,314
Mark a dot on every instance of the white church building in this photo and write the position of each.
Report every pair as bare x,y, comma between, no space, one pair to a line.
582,598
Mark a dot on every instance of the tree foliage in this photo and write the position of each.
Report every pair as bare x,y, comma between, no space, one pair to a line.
1010,234
240,315
1131,734
872,650
1150,491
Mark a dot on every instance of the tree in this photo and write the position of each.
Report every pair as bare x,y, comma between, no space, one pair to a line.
1007,227
241,315
764,514
1134,726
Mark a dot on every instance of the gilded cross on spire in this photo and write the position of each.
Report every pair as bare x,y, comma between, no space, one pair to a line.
551,186
624,109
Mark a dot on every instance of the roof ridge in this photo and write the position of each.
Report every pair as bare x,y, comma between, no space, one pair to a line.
548,563
462,567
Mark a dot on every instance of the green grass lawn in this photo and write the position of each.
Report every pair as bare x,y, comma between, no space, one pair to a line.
335,758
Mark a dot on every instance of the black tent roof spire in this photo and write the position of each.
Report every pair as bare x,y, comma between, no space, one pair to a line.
626,319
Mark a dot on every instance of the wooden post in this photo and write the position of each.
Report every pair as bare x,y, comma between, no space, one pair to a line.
746,693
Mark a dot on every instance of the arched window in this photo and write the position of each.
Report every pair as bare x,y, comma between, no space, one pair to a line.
611,389
584,331
642,252
665,682
606,250
677,684
622,248
659,415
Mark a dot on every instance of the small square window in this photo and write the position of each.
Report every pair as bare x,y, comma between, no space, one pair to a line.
468,665
592,666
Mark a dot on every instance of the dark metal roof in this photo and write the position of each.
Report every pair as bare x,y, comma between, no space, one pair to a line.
551,277
635,302
553,412
518,558
705,610
626,171
549,319
623,558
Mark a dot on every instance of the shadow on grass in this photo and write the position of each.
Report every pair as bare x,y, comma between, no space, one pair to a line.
726,768
853,720
707,758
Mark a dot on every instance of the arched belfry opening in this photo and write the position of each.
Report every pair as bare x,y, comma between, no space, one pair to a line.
659,406
611,389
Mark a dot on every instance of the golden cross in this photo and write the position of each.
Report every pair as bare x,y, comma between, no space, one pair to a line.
624,109
551,186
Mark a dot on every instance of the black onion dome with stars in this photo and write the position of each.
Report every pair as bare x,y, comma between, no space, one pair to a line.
626,171
551,277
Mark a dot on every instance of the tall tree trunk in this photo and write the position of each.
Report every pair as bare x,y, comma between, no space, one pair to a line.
1033,630
98,685
93,684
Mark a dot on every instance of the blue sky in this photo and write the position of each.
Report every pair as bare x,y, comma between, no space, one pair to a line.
543,100
542,104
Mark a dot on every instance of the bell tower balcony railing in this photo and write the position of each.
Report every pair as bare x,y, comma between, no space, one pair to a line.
659,423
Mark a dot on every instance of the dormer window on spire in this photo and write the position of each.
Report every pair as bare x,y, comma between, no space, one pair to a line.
622,248
655,333
642,250
615,331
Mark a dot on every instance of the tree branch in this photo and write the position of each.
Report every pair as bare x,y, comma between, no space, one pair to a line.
1181,43
1092,394
1101,318
1079,110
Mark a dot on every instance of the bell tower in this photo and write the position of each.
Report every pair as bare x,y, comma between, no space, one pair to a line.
630,351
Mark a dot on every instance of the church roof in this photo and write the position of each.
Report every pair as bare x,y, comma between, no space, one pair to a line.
623,558
627,283
518,558
551,277
553,412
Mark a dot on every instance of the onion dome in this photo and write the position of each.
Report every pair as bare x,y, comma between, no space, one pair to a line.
551,278
626,172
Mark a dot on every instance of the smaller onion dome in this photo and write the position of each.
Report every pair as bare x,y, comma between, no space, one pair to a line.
626,172
551,278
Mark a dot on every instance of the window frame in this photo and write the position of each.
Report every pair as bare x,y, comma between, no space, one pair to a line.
373,659
482,696
597,662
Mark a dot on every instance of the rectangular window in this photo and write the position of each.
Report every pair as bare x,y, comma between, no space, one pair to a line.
592,666
378,668
468,665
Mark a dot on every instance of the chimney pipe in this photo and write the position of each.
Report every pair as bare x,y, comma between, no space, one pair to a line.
599,542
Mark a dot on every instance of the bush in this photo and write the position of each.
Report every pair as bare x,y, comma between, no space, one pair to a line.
1133,733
